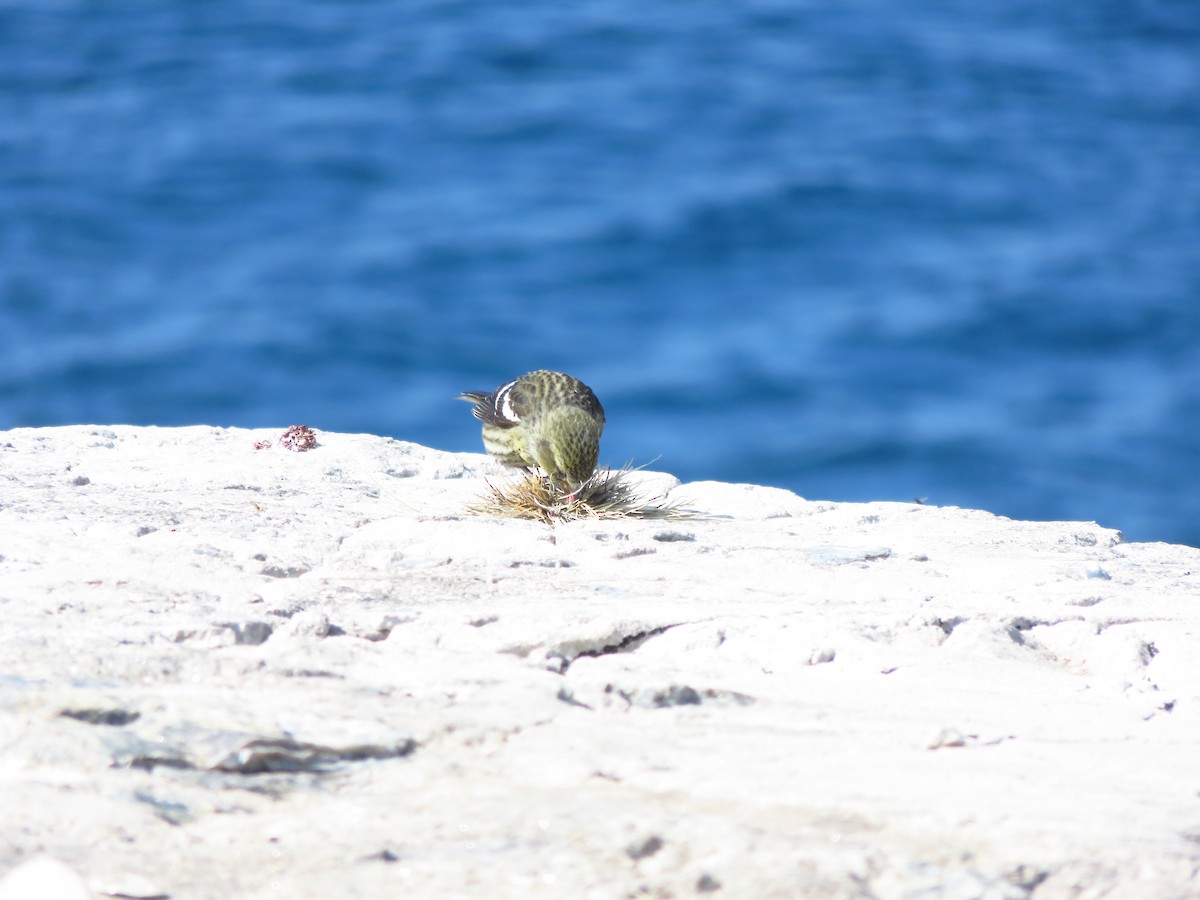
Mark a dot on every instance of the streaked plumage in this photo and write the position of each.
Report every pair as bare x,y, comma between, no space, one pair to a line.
544,419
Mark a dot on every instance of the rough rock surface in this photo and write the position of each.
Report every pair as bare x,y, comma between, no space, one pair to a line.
229,671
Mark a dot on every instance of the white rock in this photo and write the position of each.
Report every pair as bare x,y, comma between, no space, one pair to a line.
43,878
237,672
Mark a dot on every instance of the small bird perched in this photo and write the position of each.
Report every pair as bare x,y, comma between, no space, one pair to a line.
545,419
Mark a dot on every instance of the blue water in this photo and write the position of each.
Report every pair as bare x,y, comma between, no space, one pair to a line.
866,249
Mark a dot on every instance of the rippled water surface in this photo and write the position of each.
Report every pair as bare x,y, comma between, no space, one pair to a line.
862,250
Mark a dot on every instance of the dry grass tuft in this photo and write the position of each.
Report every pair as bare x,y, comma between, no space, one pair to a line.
607,494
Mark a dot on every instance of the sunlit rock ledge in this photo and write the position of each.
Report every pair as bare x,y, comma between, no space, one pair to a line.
229,669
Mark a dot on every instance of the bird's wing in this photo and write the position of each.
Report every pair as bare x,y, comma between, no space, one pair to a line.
498,408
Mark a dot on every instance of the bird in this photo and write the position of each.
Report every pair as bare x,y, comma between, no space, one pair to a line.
544,419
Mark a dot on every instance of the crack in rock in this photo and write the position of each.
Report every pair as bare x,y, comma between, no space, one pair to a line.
566,653
669,537
679,695
1018,628
240,753
169,811
284,571
114,717
288,755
